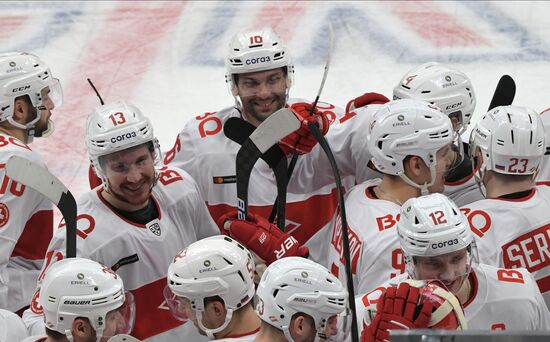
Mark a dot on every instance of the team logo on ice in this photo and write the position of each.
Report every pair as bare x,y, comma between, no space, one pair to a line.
154,227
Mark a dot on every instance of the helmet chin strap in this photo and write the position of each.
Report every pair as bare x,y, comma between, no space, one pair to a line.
210,332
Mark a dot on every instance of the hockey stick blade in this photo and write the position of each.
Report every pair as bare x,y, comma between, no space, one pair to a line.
504,92
40,179
345,234
239,130
277,126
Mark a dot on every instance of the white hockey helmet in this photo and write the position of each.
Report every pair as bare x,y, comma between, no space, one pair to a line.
25,74
214,266
432,225
511,140
77,287
449,89
296,285
256,50
115,127
408,127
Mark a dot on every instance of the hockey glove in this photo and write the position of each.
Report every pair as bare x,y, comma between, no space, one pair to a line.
262,237
398,308
302,140
365,100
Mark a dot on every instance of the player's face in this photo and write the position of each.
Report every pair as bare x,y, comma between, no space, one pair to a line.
451,269
444,160
45,111
261,94
131,176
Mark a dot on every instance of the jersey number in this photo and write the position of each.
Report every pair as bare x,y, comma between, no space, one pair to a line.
117,118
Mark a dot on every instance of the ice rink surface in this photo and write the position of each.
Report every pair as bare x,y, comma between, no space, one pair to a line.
167,57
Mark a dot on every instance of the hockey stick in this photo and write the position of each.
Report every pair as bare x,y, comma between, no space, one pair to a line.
345,236
239,130
40,179
294,159
504,92
277,126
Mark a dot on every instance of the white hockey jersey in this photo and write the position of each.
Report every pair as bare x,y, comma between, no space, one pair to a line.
26,228
203,150
515,233
502,299
141,254
374,246
543,177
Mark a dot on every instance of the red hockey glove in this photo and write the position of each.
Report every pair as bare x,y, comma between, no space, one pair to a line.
397,309
262,237
302,141
364,100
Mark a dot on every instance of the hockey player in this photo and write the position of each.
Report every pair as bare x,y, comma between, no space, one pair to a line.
512,225
299,300
213,283
410,143
437,243
139,219
452,91
28,94
259,75
82,301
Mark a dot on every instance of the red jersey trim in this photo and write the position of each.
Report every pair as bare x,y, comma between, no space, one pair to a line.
545,183
245,334
475,287
522,199
98,193
35,238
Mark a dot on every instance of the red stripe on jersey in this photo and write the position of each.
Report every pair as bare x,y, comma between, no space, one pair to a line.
152,314
545,183
303,218
544,284
33,242
431,23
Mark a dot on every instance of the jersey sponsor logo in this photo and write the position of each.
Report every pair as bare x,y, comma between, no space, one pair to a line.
354,244
224,179
445,243
530,250
4,214
263,59
123,137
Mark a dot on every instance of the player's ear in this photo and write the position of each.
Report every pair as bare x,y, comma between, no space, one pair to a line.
82,329
20,108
